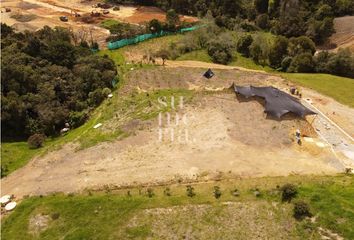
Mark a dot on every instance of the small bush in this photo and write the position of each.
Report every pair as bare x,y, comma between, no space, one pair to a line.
4,171
301,210
217,192
262,21
289,191
235,192
220,50
150,192
55,216
167,192
190,191
36,140
243,45
302,63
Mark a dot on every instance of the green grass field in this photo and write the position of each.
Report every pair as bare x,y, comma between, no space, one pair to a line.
112,214
339,88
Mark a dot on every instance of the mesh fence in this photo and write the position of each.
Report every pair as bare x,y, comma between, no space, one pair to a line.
144,37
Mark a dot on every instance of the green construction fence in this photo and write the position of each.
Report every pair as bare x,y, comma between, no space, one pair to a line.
144,37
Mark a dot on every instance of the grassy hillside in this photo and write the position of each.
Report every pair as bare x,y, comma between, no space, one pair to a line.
339,88
116,215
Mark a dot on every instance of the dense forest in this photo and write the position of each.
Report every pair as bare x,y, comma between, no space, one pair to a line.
290,18
49,83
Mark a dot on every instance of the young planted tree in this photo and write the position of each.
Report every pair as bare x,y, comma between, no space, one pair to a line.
217,192
190,191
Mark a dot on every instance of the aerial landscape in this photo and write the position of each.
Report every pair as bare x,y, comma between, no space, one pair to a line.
177,119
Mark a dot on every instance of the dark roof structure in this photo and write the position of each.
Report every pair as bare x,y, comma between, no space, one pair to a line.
208,74
277,103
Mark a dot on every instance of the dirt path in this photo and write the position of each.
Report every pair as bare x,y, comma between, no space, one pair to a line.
198,64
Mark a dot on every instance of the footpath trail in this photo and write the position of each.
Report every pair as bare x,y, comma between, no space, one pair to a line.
198,64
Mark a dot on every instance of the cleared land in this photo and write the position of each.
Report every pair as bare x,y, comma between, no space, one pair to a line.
344,35
34,14
112,214
221,137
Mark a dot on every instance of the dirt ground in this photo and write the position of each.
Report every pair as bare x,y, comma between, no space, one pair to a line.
47,12
222,136
344,35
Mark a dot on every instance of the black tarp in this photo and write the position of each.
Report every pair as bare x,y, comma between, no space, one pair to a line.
208,74
277,103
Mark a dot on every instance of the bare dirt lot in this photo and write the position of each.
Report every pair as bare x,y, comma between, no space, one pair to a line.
221,137
344,36
47,12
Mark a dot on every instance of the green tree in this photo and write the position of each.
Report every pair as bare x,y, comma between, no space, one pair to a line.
278,51
341,63
301,45
220,50
172,18
155,26
302,63
243,45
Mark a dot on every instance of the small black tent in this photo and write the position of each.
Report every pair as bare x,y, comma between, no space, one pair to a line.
208,74
277,103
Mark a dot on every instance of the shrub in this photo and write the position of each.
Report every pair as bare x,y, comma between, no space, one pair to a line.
342,63
243,45
278,51
302,63
154,26
167,192
289,191
106,92
301,210
235,192
320,30
259,50
220,51
55,216
301,45
217,192
285,63
76,119
36,140
4,170
163,54
150,192
190,191
96,97
262,21
248,27
257,193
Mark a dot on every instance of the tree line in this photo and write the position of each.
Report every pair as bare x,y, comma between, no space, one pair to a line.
290,18
49,83
295,54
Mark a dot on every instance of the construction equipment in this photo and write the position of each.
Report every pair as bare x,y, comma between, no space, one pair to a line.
63,18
